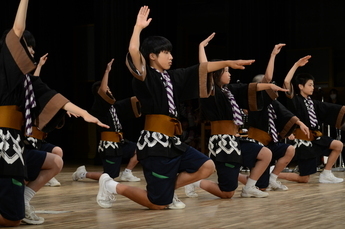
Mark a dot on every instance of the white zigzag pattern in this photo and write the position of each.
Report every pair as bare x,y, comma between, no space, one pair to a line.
4,146
158,138
106,144
300,142
224,141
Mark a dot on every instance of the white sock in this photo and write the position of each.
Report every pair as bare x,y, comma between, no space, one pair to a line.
250,182
28,194
326,171
111,186
127,171
197,184
273,177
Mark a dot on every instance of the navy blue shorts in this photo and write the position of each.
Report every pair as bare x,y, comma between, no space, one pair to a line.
112,164
250,151
34,162
278,151
227,175
12,205
47,147
309,166
161,173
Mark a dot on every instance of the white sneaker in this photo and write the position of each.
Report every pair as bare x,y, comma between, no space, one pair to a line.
190,190
253,191
79,174
330,178
53,183
105,199
176,204
277,186
31,217
128,176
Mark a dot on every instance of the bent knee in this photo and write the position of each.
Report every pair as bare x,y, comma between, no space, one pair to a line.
208,168
303,179
265,154
227,195
337,145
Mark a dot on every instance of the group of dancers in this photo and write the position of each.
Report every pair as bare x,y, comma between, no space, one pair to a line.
30,109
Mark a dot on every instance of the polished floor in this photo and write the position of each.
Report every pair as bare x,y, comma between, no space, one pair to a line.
73,205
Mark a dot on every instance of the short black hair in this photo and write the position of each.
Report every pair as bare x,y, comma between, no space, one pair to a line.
29,38
154,44
95,87
303,78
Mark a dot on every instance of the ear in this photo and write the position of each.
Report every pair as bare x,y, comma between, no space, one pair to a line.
152,56
300,86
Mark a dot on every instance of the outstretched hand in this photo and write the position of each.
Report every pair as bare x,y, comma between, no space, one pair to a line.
277,88
70,114
92,119
205,42
239,64
109,65
277,48
303,61
43,59
142,18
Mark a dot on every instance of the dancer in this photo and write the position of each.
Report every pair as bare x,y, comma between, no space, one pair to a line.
167,162
112,146
228,151
270,126
18,90
313,113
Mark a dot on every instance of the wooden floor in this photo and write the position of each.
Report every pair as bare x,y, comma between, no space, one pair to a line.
73,205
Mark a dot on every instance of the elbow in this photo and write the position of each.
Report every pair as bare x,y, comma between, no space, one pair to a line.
133,49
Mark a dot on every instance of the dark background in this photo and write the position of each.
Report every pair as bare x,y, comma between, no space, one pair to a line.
81,36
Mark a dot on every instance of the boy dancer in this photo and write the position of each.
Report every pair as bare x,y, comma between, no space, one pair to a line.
228,151
112,146
167,162
16,99
313,113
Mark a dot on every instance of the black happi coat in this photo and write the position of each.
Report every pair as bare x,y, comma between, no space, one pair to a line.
188,83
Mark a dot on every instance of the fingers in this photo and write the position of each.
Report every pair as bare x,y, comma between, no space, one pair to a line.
102,125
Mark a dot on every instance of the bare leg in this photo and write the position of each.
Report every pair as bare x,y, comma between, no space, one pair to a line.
336,147
8,223
213,188
284,161
132,162
204,171
93,175
58,151
294,177
137,195
263,159
51,166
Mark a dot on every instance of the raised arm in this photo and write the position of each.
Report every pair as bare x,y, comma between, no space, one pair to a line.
142,22
104,83
70,107
202,45
20,20
42,61
270,66
301,62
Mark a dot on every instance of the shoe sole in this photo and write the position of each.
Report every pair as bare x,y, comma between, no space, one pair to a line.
100,202
252,196
129,180
32,222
